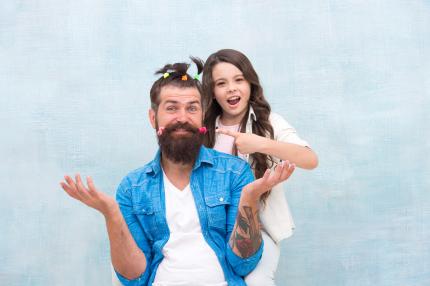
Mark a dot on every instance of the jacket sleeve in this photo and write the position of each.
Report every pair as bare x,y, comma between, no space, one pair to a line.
241,266
123,197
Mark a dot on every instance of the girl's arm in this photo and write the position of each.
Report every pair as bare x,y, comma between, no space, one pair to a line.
247,143
303,157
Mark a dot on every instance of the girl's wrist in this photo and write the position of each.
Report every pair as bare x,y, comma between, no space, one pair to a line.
264,146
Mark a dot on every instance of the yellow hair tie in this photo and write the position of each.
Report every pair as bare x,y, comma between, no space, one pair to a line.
184,77
166,75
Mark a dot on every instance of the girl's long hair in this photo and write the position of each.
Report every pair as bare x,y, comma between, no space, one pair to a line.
261,126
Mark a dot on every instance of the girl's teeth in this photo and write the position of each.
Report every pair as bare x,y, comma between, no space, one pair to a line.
234,100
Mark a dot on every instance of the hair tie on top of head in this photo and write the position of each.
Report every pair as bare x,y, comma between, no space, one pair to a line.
184,77
197,77
166,75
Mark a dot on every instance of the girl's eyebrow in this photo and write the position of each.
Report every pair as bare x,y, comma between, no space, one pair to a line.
235,76
218,79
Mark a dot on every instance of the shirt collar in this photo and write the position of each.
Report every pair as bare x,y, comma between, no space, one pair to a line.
251,115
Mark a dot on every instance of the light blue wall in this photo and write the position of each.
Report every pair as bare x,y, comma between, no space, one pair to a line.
352,76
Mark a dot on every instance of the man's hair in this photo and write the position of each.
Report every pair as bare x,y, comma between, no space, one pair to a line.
176,75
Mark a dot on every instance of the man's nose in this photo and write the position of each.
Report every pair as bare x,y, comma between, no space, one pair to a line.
182,116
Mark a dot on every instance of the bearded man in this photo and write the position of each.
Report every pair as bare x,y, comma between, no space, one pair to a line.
190,216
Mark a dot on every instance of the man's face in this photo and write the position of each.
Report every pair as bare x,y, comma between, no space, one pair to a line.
180,114
178,105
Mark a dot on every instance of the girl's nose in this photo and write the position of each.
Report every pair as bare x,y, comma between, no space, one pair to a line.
231,88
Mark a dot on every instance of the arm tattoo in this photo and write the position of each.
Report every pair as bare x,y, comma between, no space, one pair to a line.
246,236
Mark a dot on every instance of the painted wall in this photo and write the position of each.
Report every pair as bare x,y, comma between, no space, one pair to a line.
353,77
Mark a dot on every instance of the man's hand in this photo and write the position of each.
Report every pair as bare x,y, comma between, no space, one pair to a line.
89,196
246,143
269,180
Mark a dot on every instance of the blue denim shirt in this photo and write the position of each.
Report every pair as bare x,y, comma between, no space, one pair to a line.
216,182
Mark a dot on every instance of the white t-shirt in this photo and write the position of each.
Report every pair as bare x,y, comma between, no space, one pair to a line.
188,259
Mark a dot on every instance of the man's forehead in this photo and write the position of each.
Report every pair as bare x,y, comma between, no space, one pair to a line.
180,94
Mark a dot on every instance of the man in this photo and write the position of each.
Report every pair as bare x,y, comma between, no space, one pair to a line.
190,216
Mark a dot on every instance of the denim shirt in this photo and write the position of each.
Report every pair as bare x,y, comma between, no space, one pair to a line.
216,182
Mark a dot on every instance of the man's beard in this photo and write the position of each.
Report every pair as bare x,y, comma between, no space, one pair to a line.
182,148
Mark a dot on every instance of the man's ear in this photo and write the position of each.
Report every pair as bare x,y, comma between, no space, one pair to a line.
151,114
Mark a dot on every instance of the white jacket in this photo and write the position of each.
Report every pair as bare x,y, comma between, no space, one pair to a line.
275,215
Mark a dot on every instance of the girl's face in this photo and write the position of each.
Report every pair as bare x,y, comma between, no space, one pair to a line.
232,92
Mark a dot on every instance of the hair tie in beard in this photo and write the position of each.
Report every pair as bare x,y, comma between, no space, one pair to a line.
203,130
160,131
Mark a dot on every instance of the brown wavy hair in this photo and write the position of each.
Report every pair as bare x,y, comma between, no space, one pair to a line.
261,126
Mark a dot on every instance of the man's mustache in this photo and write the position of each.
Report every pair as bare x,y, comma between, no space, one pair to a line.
180,126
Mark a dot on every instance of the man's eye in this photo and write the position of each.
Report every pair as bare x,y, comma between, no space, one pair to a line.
193,108
171,108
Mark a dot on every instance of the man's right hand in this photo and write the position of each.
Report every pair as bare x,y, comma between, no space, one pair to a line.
269,180
89,196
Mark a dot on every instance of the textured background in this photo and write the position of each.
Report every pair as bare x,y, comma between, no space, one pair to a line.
353,77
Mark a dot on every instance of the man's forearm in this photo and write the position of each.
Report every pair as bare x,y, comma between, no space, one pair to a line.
127,258
246,239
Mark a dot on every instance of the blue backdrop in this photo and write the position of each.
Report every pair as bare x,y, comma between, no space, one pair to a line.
353,77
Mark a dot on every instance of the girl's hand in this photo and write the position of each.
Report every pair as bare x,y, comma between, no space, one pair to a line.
246,143
89,196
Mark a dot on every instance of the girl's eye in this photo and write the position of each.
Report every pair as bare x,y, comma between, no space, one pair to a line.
239,79
220,83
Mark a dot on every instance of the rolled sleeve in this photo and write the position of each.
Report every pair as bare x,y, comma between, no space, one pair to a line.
241,266
140,281
124,200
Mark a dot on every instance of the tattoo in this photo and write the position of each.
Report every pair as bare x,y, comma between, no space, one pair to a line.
246,236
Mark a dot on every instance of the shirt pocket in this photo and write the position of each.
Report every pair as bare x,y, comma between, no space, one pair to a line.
216,206
146,216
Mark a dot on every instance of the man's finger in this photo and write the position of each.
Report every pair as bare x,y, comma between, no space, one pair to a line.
288,171
276,175
228,132
91,188
70,182
80,186
69,190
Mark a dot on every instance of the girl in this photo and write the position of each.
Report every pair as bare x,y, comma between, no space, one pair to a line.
245,126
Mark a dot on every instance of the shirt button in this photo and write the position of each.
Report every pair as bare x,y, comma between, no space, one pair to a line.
143,210
221,199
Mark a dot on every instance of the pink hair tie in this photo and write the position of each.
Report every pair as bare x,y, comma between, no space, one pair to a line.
160,131
203,130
